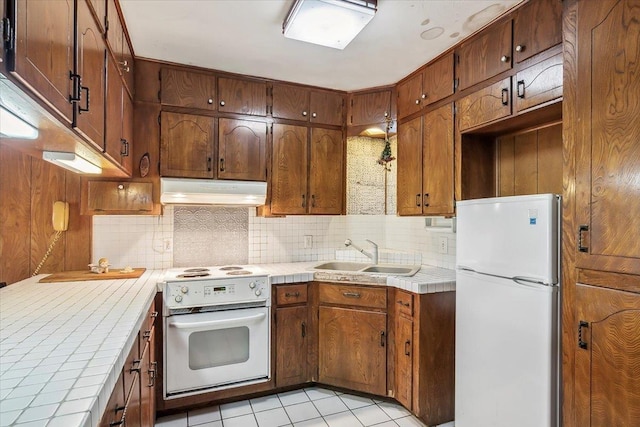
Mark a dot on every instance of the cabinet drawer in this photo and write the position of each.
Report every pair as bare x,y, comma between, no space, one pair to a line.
292,294
147,327
486,105
353,295
539,83
404,303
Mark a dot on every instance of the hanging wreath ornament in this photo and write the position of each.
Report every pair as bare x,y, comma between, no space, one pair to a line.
386,157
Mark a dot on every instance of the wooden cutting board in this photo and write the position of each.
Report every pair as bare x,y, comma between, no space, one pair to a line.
77,276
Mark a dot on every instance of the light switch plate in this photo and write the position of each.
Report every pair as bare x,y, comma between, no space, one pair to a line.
443,245
308,241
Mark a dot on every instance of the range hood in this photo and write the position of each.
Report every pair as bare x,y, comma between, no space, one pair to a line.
182,191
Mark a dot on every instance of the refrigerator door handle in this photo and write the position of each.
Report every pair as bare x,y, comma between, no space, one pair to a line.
528,281
463,268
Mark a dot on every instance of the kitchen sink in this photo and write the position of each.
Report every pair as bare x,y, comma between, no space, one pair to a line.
358,267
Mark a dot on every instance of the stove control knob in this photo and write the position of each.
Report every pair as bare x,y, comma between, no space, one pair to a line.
178,298
258,292
252,285
184,289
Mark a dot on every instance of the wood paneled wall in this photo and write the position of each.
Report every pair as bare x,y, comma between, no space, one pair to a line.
28,188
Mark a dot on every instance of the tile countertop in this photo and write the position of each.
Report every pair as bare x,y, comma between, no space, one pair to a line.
63,345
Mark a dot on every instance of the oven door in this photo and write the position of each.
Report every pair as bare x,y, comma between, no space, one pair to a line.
205,350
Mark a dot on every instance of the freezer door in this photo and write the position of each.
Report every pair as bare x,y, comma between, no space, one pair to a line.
510,236
506,353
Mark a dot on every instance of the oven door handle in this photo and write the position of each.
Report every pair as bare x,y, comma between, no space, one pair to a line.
223,322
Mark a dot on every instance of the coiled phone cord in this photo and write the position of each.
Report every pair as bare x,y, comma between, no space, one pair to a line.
49,250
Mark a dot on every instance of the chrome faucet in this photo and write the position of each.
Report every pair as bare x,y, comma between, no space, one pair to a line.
373,255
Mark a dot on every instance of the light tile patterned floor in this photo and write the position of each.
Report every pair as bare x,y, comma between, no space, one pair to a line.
311,407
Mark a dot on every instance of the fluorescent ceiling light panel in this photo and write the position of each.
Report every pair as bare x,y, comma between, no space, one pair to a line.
71,161
13,126
331,23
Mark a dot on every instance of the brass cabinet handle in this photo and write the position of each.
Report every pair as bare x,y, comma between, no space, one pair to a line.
292,294
405,304
351,294
581,229
582,344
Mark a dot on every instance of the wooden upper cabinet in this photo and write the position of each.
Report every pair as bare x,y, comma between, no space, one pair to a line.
294,102
187,89
114,197
118,120
290,102
486,105
437,81
539,83
186,145
120,45
326,107
607,148
242,96
89,109
410,96
289,170
326,172
242,150
409,197
485,55
537,26
99,8
607,362
45,49
437,162
369,108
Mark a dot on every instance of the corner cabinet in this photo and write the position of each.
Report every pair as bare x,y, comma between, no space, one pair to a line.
293,102
433,83
307,171
352,337
425,164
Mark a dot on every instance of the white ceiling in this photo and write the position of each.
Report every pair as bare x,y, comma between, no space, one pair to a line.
245,37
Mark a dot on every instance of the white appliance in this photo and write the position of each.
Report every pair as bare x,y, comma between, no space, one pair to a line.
216,329
184,191
507,311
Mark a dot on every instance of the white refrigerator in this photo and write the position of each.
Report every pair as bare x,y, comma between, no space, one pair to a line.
507,311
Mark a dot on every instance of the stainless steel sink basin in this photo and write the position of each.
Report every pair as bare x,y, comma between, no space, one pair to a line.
341,266
358,267
391,270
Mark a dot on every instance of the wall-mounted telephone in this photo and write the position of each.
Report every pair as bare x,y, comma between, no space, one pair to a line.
60,222
60,216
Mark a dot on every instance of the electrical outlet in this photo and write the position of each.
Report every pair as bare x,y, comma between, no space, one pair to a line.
308,241
167,244
443,245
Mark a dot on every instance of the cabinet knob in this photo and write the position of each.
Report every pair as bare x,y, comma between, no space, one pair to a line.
386,114
424,96
417,101
504,58
222,103
520,48
210,101
304,113
314,115
120,187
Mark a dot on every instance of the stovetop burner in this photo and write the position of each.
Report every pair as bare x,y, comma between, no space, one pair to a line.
185,275
196,270
238,273
230,267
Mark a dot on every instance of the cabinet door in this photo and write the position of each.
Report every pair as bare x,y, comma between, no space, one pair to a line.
115,406
536,27
410,96
404,360
99,7
127,65
607,357
409,198
370,108
115,32
352,349
89,115
186,145
114,144
126,161
187,89
44,50
291,346
290,102
113,197
540,83
147,383
437,162
289,170
326,107
326,174
438,79
242,96
486,105
242,150
485,55
607,148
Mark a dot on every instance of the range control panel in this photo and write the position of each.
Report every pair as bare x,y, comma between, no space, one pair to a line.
201,293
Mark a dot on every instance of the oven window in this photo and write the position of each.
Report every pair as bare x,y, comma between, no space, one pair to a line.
220,347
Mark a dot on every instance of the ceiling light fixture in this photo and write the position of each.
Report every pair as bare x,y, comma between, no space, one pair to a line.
71,161
12,126
331,23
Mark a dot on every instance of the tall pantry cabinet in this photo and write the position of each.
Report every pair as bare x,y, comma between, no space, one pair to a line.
601,249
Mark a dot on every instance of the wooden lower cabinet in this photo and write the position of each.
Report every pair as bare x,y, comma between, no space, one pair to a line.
607,372
291,345
403,344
